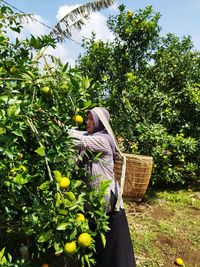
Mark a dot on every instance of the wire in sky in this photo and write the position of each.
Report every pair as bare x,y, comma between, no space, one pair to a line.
42,23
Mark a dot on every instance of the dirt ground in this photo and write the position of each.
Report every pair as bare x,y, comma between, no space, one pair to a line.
144,217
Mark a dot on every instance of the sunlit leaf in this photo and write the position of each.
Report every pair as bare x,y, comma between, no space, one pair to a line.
41,151
45,236
103,239
44,186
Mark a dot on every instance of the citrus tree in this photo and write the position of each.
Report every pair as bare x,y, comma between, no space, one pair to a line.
47,213
151,85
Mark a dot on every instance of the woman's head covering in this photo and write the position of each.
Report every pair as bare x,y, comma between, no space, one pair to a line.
98,125
99,128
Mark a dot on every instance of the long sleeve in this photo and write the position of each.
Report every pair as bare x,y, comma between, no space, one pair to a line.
94,143
102,169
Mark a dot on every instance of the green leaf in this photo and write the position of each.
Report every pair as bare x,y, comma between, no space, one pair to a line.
45,236
62,226
58,248
13,110
44,186
62,212
73,234
57,175
87,260
58,200
9,154
30,74
34,219
70,196
2,253
4,98
103,239
86,83
2,130
9,257
20,180
41,151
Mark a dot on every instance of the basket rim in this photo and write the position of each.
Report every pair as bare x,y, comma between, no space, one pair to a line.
137,156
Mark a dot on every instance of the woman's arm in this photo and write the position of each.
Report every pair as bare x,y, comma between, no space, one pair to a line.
96,143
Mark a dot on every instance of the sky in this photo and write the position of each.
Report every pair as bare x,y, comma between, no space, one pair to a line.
180,17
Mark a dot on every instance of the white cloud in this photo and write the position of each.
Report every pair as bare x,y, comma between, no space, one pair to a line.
62,52
68,51
96,24
31,26
35,27
63,10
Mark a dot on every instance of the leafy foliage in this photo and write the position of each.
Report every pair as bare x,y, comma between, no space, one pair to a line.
36,110
151,85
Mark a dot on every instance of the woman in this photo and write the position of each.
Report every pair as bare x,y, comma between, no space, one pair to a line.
118,251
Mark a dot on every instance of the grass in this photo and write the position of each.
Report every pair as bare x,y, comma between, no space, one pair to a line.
165,225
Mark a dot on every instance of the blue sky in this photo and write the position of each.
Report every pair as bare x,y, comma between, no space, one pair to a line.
180,17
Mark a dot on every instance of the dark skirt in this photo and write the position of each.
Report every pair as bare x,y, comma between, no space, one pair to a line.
118,251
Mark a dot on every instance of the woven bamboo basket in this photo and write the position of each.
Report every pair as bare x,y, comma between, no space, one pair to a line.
138,173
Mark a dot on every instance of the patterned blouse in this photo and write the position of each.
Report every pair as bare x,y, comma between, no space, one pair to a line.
101,168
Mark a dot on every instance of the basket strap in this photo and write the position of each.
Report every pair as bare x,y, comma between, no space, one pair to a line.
107,126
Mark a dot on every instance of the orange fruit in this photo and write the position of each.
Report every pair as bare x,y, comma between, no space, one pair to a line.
84,240
45,265
64,182
179,262
78,119
80,217
70,247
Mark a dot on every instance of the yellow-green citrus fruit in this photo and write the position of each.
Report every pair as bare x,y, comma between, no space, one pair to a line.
45,89
78,119
179,262
129,13
84,240
70,247
13,69
64,182
80,217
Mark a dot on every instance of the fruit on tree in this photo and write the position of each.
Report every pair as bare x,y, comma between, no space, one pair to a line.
80,217
45,89
84,240
129,13
78,119
70,247
13,69
64,182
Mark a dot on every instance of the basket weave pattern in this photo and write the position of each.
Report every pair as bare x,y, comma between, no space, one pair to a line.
138,173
